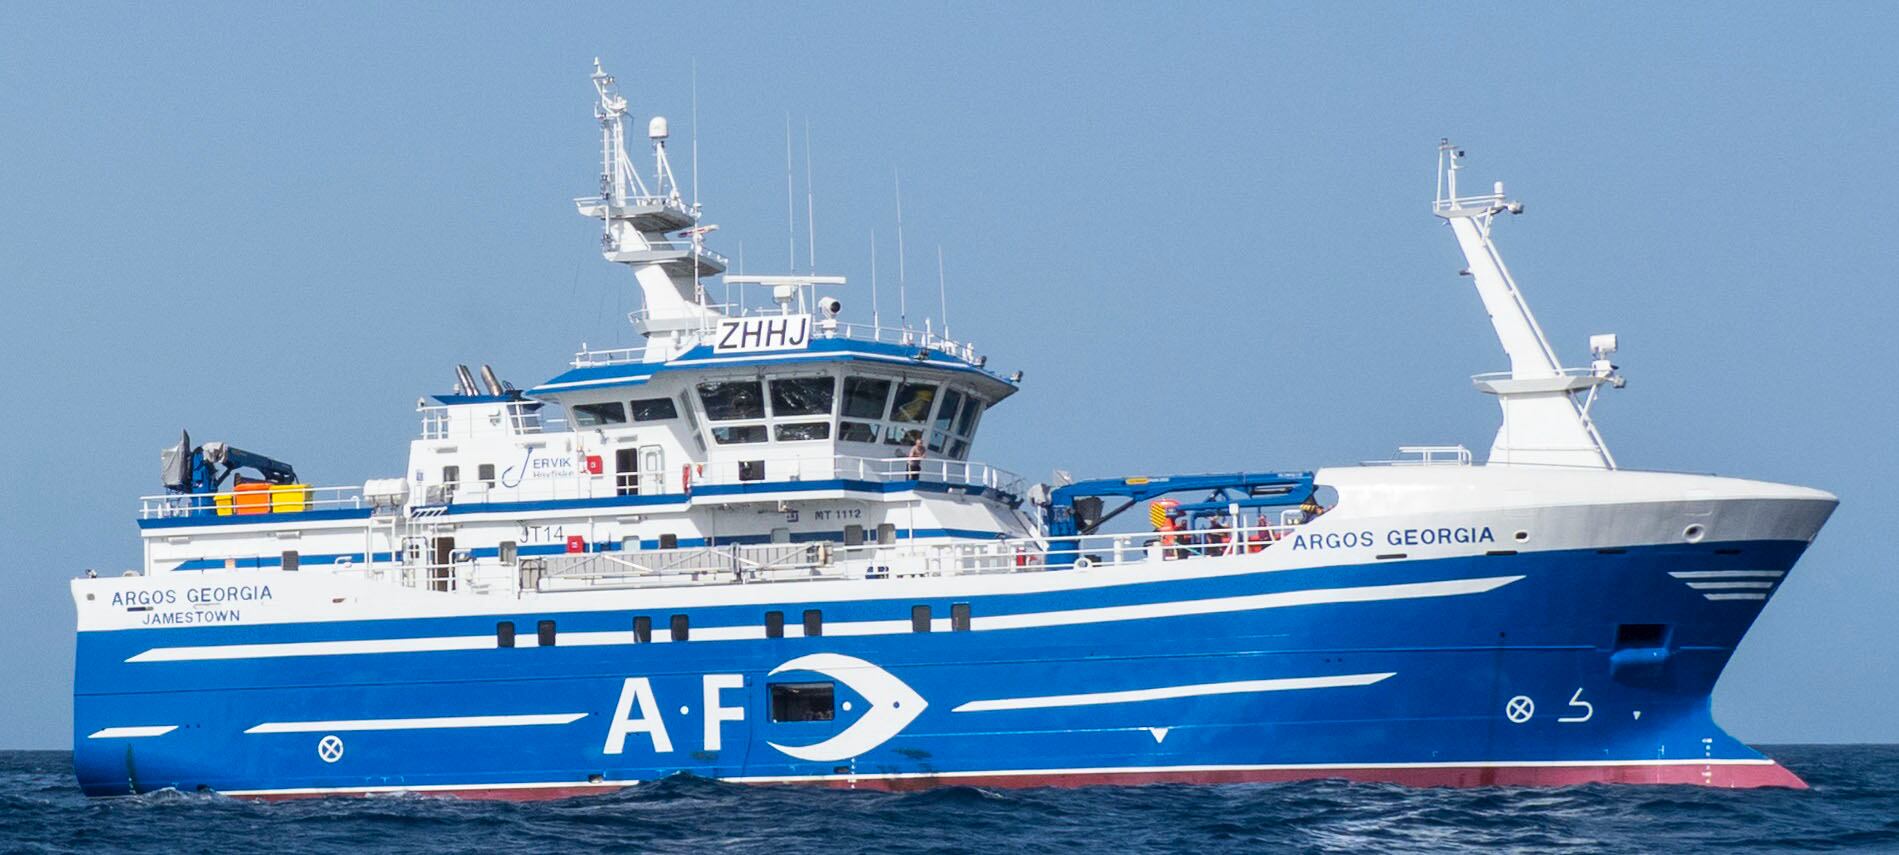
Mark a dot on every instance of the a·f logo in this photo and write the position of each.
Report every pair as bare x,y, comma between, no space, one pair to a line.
893,705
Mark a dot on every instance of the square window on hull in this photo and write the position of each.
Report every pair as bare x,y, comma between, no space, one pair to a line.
803,701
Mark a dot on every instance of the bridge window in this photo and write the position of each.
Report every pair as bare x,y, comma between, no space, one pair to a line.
653,409
774,624
642,630
545,633
802,431
813,623
593,415
681,628
738,434
726,401
856,432
899,436
912,403
504,634
803,701
959,617
803,396
485,473
864,397
966,420
919,618
952,400
692,421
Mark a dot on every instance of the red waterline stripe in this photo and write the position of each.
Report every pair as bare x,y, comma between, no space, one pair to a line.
1727,776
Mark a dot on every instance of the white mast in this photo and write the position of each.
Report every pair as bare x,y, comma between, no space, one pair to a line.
1542,422
636,221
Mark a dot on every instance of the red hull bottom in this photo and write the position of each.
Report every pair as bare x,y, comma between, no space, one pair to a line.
1725,775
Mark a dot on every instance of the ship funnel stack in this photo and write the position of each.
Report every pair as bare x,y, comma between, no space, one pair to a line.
1544,423
652,230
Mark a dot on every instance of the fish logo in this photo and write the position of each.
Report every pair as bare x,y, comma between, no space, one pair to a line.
893,705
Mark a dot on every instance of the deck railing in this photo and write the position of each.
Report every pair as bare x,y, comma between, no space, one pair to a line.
285,499
768,470
925,338
792,562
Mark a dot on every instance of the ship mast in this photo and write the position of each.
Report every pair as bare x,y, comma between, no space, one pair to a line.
651,230
1543,422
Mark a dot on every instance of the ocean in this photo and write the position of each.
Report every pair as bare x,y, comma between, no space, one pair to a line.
1853,806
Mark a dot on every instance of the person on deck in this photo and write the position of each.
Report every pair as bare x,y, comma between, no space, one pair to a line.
916,457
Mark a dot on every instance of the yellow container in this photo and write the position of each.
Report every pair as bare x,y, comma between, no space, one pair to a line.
289,498
225,501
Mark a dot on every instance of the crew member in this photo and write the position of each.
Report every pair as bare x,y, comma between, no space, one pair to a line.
917,452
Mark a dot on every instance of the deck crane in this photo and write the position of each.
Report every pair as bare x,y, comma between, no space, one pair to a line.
204,468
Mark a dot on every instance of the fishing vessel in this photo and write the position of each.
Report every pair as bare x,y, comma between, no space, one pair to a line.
762,547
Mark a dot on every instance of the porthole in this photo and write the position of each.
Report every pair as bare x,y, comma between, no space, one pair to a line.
1522,536
1694,533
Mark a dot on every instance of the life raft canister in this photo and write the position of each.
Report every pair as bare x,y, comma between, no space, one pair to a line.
1160,512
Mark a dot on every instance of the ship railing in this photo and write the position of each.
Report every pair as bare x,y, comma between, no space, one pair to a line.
925,338
1426,455
669,201
794,562
766,469
853,468
1487,200
685,246
523,418
279,499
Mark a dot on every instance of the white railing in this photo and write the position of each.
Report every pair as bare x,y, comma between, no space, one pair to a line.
282,499
794,562
880,469
673,481
922,339
522,419
668,202
1427,455
683,246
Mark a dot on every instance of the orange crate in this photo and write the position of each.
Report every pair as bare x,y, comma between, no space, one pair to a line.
252,498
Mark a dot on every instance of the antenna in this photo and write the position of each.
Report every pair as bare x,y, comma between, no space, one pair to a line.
810,219
876,319
903,299
695,137
942,291
791,210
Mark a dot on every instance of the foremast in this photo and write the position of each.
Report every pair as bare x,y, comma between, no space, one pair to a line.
1543,421
652,229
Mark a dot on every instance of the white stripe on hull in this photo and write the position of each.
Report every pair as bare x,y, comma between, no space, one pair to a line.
453,721
1071,617
1168,692
132,732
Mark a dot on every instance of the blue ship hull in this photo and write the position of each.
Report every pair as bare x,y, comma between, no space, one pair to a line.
1551,667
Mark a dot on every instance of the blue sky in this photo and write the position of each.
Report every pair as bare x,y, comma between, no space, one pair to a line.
1201,230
